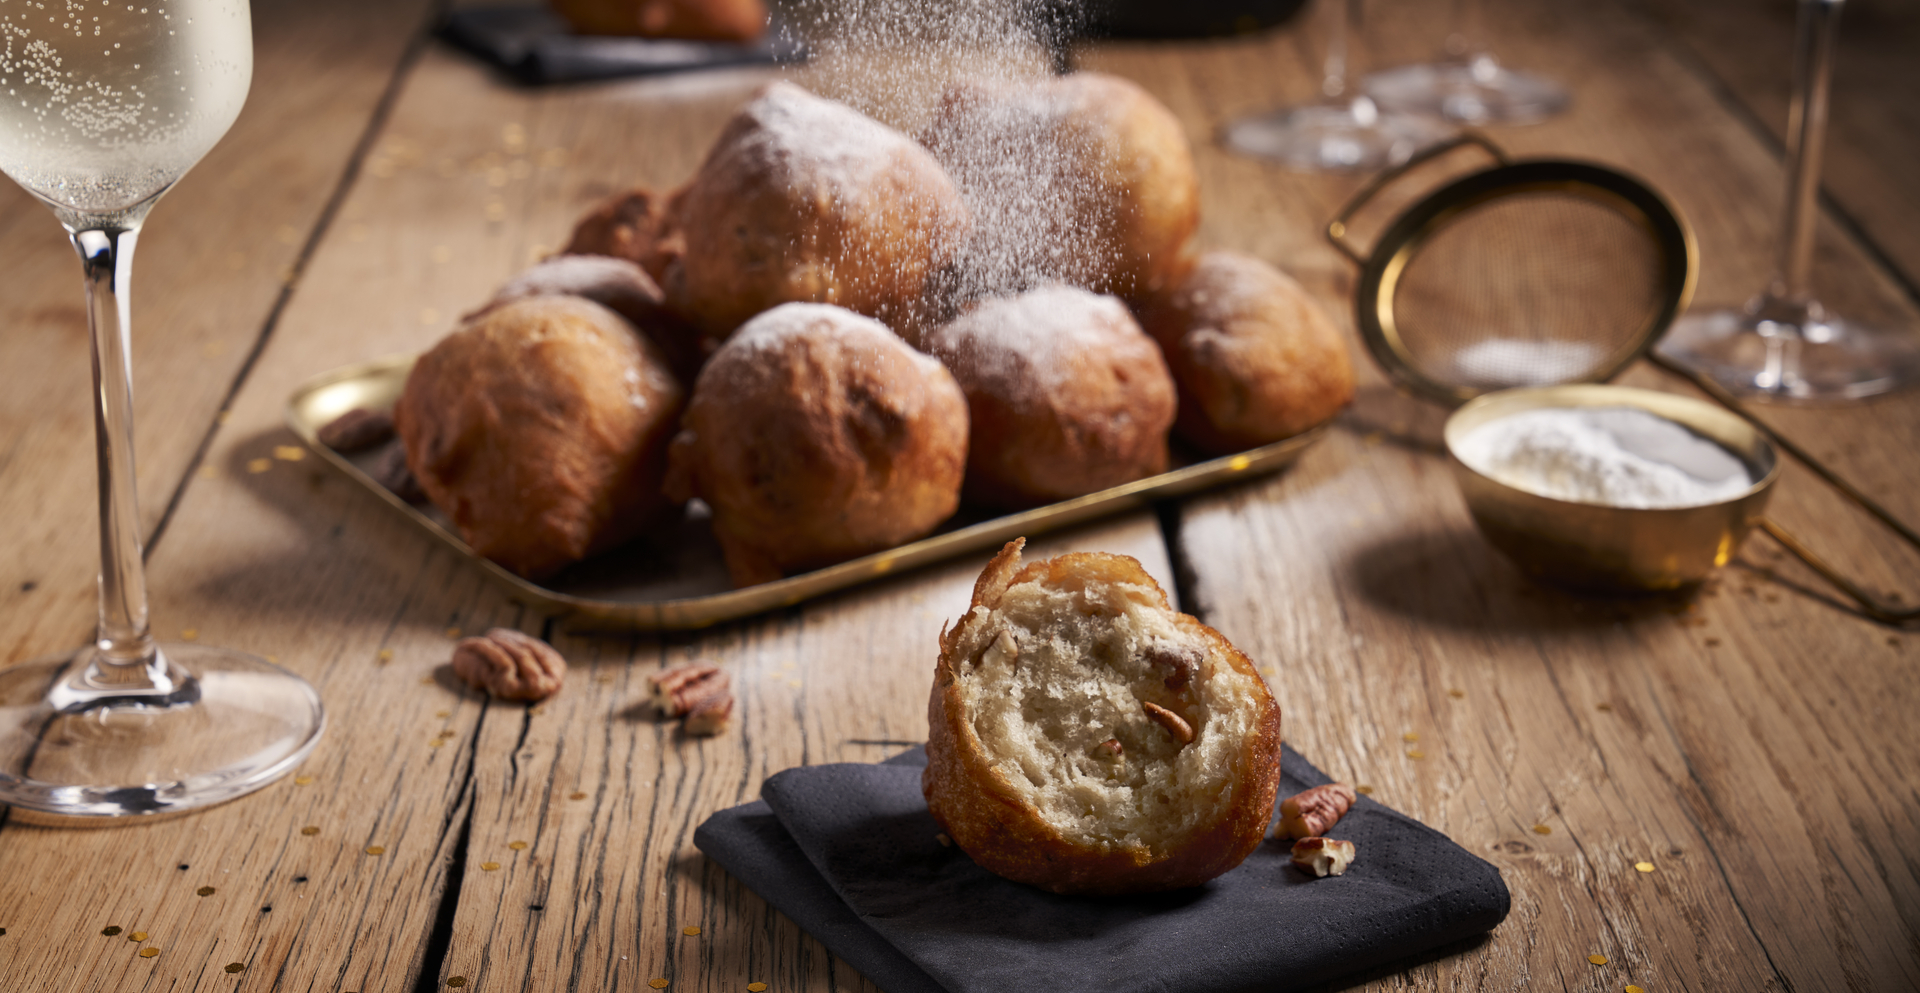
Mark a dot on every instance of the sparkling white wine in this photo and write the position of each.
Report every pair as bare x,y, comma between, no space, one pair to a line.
105,103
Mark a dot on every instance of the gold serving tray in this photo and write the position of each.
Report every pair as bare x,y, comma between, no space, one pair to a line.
677,579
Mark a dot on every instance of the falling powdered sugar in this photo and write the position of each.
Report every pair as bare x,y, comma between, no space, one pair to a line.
1614,456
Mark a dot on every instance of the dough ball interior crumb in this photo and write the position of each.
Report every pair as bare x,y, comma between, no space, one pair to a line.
1059,672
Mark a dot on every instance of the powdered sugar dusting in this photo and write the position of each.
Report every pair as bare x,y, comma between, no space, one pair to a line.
1036,340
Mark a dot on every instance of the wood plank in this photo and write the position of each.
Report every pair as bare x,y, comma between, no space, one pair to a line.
210,267
1874,129
1760,801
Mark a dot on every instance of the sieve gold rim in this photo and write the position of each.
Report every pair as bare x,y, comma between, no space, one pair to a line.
1625,195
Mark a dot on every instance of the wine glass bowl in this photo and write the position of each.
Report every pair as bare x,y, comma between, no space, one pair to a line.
105,107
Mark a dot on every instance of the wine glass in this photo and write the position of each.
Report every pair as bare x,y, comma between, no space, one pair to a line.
1470,86
103,106
1342,132
1784,345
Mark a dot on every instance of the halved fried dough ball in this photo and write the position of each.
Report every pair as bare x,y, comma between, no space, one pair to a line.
816,435
1255,357
1085,737
541,428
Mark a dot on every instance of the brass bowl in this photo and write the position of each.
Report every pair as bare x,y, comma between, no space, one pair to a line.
1604,548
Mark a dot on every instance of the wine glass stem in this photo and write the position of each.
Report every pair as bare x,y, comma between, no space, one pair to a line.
1333,81
1806,138
125,646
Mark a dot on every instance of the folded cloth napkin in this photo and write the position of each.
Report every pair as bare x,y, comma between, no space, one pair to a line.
850,853
536,46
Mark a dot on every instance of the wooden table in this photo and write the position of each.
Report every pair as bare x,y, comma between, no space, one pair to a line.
1753,743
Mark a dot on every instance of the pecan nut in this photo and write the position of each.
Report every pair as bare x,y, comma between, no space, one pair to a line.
1180,663
1323,857
390,470
1315,811
510,665
688,688
1175,724
356,429
710,716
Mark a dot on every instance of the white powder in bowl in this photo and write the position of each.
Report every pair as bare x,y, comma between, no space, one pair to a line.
1616,456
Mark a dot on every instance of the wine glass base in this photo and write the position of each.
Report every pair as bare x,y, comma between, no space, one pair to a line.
1828,359
1480,92
235,724
1334,138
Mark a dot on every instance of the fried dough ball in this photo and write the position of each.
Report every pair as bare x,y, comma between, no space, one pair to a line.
696,20
1085,737
1255,357
540,428
619,285
1084,179
1065,393
631,226
817,435
806,199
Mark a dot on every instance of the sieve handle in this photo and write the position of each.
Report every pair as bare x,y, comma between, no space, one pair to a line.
1870,606
1337,228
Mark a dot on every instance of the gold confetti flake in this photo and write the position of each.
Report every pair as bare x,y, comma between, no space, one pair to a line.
289,453
1597,959
658,984
303,780
436,743
137,936
1542,829
1643,866
384,656
443,713
1363,789
576,796
258,466
236,967
456,981
518,846
426,680
110,930
1630,989
1409,736
205,891
1416,754
453,632
209,472
1605,708
945,842
223,416
188,634
310,830
1457,694
376,849
489,866
275,659
756,988
147,953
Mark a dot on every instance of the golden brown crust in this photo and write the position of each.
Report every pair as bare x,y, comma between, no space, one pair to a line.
1255,357
631,226
806,199
817,435
621,286
540,428
1110,164
999,830
1065,393
697,20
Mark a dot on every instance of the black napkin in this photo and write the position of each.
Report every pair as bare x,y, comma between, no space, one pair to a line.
536,46
849,853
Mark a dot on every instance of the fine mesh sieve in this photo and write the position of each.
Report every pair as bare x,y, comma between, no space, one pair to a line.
1541,273
1526,274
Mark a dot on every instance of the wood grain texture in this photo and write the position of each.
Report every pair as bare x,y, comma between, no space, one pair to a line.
1750,743
1685,733
211,265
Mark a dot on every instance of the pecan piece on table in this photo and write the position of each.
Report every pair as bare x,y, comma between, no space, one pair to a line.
1323,856
710,716
510,665
390,470
1315,811
686,688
